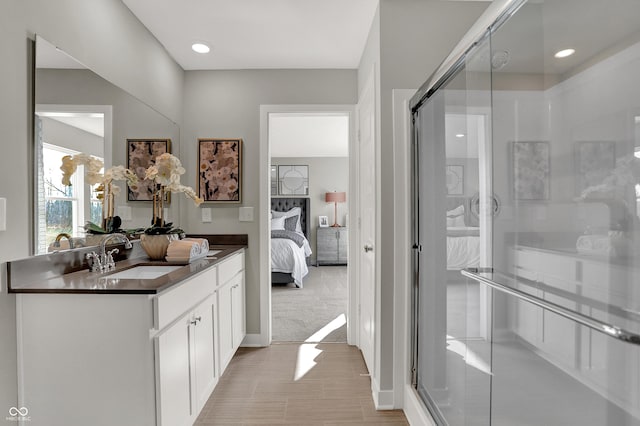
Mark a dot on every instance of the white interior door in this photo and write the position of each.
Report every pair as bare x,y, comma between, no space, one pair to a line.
367,221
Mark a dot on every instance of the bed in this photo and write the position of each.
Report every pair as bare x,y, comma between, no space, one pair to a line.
463,234
289,253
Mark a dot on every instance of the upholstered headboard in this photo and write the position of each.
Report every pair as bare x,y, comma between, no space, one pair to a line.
286,204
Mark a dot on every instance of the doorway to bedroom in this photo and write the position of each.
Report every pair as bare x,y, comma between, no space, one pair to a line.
309,195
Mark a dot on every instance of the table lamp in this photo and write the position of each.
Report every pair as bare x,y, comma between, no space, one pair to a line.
335,197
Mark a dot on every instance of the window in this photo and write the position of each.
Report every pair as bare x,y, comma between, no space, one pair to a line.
64,210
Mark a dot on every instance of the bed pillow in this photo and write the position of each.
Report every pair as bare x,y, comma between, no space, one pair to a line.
294,212
455,217
277,223
292,223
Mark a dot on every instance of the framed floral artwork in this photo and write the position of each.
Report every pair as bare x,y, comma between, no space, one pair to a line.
220,170
531,170
141,153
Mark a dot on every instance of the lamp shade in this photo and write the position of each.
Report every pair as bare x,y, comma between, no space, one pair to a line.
335,197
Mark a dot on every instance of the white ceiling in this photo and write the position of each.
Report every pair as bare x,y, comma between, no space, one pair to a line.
309,135
255,34
89,122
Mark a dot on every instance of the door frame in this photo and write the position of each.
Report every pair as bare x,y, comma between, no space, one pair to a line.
265,336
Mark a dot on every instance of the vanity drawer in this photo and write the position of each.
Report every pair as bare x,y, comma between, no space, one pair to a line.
230,267
177,301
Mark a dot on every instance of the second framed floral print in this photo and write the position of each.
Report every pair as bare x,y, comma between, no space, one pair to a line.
220,170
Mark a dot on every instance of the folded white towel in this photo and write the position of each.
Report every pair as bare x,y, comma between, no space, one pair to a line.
202,242
183,249
594,244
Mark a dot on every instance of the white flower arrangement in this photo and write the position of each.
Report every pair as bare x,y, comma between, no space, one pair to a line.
165,173
625,174
106,189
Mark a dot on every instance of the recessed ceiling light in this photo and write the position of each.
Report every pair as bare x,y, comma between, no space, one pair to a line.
460,135
564,53
200,48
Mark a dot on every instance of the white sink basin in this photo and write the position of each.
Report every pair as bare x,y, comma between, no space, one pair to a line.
143,272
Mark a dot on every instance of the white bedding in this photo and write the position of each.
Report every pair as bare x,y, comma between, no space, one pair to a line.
463,251
287,257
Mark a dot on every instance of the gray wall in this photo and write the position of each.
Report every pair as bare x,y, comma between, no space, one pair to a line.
326,174
86,30
414,37
221,104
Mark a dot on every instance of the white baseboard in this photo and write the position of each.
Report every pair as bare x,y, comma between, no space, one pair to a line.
382,399
252,341
414,410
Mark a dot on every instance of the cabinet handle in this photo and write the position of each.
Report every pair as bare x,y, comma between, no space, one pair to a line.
368,248
194,322
198,319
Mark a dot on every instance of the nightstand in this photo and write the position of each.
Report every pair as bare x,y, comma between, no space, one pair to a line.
331,245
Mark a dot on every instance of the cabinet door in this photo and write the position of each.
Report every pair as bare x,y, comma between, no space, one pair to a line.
327,245
205,375
172,347
225,321
238,310
343,244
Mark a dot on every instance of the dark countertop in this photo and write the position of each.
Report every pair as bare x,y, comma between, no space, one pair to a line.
87,282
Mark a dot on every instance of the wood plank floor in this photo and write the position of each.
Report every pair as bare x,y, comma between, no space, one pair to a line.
259,387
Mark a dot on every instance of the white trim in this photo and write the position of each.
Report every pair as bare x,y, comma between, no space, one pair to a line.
415,412
382,399
402,244
252,341
107,142
264,203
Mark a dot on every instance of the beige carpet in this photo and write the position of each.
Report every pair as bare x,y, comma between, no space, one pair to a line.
315,312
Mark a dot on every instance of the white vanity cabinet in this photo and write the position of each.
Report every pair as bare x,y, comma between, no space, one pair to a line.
126,358
608,366
185,359
554,336
231,308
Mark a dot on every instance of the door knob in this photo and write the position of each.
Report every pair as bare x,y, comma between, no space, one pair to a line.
368,248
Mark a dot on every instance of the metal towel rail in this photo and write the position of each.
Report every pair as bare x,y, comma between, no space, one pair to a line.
608,329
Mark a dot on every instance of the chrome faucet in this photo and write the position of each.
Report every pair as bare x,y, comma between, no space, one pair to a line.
103,261
60,236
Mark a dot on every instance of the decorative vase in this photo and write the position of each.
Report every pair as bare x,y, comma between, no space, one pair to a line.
156,245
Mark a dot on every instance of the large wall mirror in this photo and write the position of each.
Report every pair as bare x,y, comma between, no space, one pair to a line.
76,111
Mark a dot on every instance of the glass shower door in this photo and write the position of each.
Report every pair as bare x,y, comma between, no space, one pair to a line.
527,222
566,240
453,315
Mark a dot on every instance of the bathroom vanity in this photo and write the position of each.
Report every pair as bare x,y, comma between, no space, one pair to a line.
596,286
144,348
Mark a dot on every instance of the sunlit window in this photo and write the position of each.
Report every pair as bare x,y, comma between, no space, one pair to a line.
64,210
